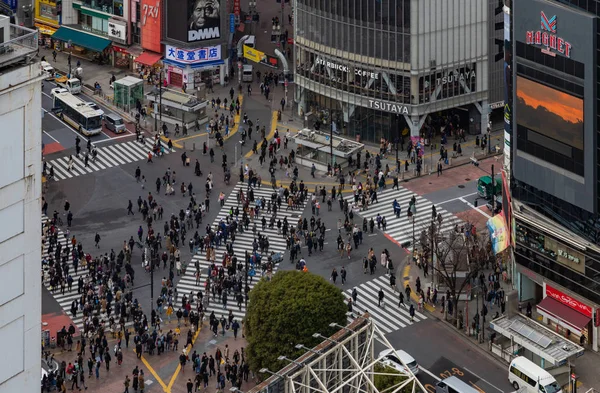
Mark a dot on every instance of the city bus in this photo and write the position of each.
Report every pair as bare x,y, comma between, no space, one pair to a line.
77,113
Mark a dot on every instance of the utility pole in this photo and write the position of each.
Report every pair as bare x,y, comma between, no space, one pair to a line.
493,192
330,135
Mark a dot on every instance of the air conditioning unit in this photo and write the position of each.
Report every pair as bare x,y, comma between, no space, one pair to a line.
4,29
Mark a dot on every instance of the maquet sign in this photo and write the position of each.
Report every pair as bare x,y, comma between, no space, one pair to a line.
547,37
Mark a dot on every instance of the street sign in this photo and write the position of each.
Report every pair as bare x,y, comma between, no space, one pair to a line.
239,65
232,23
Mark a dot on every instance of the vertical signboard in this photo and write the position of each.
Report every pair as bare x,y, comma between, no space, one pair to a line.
150,25
508,89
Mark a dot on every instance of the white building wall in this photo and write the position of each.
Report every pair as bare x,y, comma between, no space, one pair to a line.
447,32
20,229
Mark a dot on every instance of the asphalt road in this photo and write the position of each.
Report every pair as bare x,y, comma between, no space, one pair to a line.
56,132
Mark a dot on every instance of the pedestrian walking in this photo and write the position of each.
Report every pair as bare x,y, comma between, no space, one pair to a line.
400,299
411,311
380,298
97,240
343,275
354,295
126,383
333,277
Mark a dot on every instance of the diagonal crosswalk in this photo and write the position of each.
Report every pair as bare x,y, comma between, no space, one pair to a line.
401,228
243,242
391,316
65,299
108,156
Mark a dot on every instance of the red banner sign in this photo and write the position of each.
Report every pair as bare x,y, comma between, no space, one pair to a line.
237,9
150,19
568,301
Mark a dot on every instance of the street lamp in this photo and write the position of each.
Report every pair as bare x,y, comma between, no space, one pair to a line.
159,102
333,324
70,53
319,335
282,358
300,346
267,371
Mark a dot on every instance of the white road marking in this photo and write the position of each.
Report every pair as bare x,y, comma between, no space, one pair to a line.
53,138
430,373
475,208
456,199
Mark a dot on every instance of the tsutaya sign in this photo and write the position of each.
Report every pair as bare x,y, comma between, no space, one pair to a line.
345,68
547,37
455,76
387,106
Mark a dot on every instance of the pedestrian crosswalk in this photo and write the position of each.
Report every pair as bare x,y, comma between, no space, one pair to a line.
66,299
401,228
390,316
243,243
108,156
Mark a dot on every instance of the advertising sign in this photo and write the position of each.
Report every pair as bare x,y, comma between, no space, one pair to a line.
260,57
508,91
204,20
547,37
117,31
568,301
237,9
150,20
193,56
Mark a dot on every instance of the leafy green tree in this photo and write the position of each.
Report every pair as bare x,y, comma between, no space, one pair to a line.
287,311
387,378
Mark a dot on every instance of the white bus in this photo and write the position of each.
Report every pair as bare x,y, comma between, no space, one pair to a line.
523,373
78,113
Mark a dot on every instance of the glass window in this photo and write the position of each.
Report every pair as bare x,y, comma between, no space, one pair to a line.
118,7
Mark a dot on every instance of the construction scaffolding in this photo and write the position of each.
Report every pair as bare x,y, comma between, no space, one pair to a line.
342,363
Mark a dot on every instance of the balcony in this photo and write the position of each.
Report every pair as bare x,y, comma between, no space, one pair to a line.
23,42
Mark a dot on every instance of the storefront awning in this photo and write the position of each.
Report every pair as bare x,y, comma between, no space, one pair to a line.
563,315
47,30
148,58
81,38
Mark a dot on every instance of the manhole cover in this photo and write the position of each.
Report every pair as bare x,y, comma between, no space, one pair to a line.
430,183
461,186
467,179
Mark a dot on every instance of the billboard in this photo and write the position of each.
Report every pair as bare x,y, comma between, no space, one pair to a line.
550,112
508,88
204,20
150,25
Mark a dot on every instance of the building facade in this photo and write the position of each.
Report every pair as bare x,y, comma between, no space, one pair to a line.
196,51
553,134
378,69
20,209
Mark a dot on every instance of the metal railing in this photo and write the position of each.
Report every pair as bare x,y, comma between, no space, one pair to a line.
23,42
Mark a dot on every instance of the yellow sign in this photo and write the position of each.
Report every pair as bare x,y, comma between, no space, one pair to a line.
45,29
253,54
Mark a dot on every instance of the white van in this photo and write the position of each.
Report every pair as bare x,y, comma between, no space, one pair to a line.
524,373
454,385
247,71
389,359
47,69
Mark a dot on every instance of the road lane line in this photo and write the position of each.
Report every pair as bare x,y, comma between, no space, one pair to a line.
53,138
431,374
455,199
495,387
475,208
66,125
154,374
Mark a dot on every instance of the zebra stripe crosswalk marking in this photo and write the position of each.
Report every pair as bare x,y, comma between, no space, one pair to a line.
243,242
401,228
65,300
390,317
108,157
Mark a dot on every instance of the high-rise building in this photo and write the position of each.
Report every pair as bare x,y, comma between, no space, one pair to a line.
377,69
554,138
20,194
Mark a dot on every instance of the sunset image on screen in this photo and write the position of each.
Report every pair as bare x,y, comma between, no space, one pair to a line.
550,112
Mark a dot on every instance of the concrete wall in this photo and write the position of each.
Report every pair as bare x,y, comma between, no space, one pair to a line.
20,229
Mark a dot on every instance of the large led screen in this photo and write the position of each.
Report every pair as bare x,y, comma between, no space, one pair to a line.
550,112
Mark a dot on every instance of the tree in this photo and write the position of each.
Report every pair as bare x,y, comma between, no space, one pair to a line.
286,311
386,378
457,259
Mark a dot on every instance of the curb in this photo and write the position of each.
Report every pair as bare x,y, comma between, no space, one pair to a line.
430,310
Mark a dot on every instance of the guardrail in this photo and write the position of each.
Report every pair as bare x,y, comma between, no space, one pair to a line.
23,42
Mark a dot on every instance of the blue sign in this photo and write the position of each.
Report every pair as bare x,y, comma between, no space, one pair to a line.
232,23
327,138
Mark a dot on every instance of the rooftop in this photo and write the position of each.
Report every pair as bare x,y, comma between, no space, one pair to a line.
537,338
321,141
21,46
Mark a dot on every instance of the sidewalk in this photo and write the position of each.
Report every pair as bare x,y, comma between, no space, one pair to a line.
585,367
